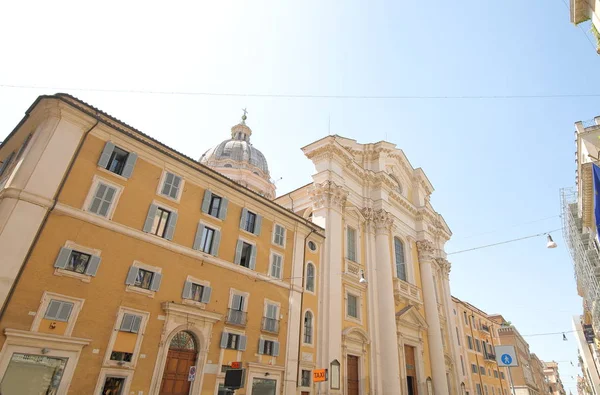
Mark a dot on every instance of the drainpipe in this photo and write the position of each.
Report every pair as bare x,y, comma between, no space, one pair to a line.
475,349
46,216
302,306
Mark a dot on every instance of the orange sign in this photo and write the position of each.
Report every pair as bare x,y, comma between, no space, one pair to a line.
319,375
236,365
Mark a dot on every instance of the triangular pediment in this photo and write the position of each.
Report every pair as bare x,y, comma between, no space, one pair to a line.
411,318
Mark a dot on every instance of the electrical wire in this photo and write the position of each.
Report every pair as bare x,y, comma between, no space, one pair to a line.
313,96
504,242
508,227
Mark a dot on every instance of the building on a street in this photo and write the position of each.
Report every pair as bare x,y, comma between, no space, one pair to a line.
586,10
128,267
555,385
539,377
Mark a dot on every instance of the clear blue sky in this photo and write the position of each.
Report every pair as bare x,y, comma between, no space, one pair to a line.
495,164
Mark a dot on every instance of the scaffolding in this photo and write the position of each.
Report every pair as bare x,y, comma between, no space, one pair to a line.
585,254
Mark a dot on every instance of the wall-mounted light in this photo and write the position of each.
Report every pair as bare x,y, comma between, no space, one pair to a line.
362,280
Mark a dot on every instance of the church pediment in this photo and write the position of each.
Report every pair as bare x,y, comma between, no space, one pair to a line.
410,317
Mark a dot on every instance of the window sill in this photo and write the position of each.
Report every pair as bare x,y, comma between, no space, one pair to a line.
141,291
170,198
212,217
67,273
248,232
278,246
353,319
114,364
118,176
190,302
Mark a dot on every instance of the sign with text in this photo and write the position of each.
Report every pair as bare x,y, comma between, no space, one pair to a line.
319,375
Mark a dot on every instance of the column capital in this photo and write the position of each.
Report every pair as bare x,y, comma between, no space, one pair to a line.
328,194
425,249
378,220
444,266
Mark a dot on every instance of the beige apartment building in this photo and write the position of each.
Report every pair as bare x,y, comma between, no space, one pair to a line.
555,385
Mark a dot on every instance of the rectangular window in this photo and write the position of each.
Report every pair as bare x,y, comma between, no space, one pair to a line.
477,345
117,160
351,236
279,237
271,321
103,198
457,336
502,375
113,385
197,291
215,206
276,265
470,342
465,318
171,186
462,365
130,323
121,356
233,341
33,374
78,262
474,368
352,306
495,373
161,219
478,386
143,279
246,254
207,239
250,222
268,347
305,379
237,315
482,370
58,310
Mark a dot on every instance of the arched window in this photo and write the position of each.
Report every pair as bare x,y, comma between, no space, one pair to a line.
308,338
183,341
310,277
400,262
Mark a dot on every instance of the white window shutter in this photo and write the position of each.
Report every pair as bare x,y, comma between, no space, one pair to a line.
261,346
243,218
132,275
65,311
150,218
258,225
187,290
171,226
155,284
135,325
198,238
238,252
129,164
214,249
236,302
93,264
63,258
106,153
224,338
223,208
52,310
206,292
206,201
242,345
252,264
127,322
275,349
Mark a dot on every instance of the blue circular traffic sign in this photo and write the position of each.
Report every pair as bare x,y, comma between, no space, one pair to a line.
506,359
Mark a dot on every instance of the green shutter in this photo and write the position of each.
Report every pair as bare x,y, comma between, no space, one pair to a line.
214,249
223,208
63,258
206,292
238,252
93,264
198,238
132,275
150,218
129,164
252,264
243,218
187,290
261,346
224,338
275,349
106,153
155,284
258,225
206,201
171,226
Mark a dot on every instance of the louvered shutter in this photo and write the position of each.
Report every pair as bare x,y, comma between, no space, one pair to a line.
132,275
252,264
214,249
224,338
238,252
155,284
258,225
171,226
223,208
150,218
65,311
187,290
135,325
106,153
127,322
206,201
93,264
236,302
275,349
129,164
198,238
52,310
261,346
272,311
243,218
242,344
63,258
206,292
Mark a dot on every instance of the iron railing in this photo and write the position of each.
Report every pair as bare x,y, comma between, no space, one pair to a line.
270,325
236,317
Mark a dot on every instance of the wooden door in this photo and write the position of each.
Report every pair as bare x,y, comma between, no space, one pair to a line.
411,370
175,379
352,374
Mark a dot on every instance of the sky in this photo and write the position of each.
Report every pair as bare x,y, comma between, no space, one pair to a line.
497,165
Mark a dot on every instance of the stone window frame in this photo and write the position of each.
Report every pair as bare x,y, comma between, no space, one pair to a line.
161,182
96,180
86,278
142,291
275,225
107,362
281,255
112,372
359,305
45,301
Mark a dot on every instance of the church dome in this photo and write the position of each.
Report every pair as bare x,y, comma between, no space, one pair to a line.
239,160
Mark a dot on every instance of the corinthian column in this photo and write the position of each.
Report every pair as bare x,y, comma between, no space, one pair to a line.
384,287
434,333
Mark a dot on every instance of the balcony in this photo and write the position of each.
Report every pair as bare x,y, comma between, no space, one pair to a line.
270,325
406,292
489,357
236,317
485,328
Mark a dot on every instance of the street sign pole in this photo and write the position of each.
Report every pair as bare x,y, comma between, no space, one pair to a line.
512,386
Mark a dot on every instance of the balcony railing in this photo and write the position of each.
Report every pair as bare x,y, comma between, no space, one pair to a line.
489,356
403,289
270,325
485,328
236,317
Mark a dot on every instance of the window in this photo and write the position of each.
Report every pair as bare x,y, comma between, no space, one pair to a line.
197,292
33,374
477,345
103,198
130,323
465,318
308,327
117,160
245,255
495,373
482,370
470,342
502,375
486,389
462,364
207,240
237,315
351,243
312,246
77,262
268,347
171,186
474,368
400,263
478,386
250,221
160,222
144,279
457,336
113,385
214,205
279,235
58,310
352,306
276,265
310,277
305,378
233,341
270,320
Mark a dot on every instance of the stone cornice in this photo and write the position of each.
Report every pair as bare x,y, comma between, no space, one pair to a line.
328,194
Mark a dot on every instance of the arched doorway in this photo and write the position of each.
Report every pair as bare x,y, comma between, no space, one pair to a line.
183,352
